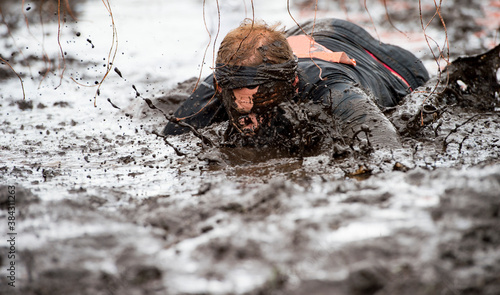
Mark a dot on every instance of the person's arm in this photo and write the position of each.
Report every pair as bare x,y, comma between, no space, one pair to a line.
201,109
356,110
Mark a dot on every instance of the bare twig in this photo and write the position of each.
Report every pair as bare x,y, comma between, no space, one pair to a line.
243,40
209,42
59,41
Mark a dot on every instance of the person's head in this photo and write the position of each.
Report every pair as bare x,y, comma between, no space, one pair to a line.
256,70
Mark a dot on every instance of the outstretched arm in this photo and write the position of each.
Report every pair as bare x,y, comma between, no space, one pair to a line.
201,109
356,110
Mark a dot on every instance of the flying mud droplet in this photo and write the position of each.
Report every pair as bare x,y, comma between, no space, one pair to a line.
137,94
118,72
113,105
90,41
150,103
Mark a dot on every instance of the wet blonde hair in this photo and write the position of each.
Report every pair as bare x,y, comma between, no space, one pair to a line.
254,43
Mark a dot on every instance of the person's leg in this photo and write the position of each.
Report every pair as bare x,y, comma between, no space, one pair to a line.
400,60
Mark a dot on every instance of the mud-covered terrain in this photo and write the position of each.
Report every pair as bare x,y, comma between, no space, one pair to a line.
104,205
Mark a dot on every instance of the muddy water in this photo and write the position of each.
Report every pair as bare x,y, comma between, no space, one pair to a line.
104,206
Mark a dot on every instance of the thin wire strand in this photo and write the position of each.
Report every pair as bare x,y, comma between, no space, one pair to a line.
9,32
204,56
206,48
216,35
45,55
390,20
59,42
18,76
214,53
305,33
112,50
70,11
371,20
46,59
440,56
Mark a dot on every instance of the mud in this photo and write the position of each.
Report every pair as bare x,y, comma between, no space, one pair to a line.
105,205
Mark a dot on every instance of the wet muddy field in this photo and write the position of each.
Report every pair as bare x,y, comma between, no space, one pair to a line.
103,205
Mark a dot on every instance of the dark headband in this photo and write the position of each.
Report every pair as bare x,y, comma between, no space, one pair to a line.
231,77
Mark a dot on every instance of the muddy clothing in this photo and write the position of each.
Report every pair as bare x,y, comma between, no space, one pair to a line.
382,76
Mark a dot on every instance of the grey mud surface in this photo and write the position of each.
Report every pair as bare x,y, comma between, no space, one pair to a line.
119,211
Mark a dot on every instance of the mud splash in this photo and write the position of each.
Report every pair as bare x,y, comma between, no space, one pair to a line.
246,221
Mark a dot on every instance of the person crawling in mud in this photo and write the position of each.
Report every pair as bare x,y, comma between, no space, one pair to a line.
294,89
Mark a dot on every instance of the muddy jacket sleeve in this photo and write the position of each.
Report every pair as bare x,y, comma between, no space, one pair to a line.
353,102
358,111
201,109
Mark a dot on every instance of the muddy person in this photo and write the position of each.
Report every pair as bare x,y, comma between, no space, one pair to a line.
259,68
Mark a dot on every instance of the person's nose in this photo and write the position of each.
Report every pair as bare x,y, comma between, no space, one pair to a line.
244,98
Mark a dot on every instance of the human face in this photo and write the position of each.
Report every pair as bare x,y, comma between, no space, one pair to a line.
251,107
251,94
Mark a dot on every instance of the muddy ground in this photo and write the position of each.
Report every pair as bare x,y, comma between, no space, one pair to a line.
105,206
